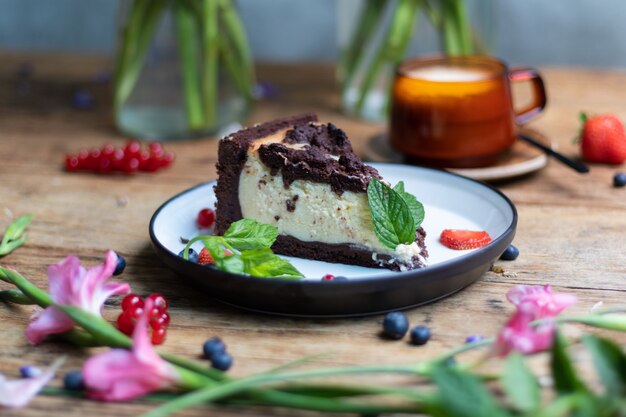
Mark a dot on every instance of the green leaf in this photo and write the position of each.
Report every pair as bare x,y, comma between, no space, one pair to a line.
248,234
14,236
565,378
610,362
417,208
228,263
393,222
264,263
464,395
520,384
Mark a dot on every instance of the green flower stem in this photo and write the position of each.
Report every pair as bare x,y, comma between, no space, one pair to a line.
187,37
218,392
234,30
457,34
392,47
210,39
239,78
142,23
29,289
609,321
15,297
369,19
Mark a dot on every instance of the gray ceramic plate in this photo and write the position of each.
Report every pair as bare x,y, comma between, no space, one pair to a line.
451,202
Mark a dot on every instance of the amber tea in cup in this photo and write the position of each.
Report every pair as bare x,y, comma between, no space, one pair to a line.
458,111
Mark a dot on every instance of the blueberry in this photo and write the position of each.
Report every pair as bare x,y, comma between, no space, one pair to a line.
395,325
222,361
510,254
73,381
28,371
213,347
121,265
82,99
192,255
420,335
473,338
619,179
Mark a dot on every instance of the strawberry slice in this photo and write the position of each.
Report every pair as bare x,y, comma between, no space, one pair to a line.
464,239
204,257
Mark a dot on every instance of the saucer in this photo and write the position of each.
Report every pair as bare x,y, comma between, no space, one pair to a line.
519,160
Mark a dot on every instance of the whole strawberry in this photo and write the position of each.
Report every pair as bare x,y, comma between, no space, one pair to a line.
603,139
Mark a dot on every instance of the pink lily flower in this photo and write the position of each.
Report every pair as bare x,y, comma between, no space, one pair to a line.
517,334
540,300
122,375
533,302
70,283
19,392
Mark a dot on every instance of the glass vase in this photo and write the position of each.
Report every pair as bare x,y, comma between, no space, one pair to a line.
183,69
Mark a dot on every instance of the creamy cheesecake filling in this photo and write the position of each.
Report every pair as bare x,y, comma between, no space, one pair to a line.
318,213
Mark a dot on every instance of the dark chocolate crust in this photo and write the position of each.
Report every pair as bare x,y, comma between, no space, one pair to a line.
346,253
231,158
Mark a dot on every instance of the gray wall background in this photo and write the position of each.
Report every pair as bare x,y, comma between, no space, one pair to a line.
533,32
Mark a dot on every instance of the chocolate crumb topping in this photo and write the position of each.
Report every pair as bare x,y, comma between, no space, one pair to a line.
315,163
277,218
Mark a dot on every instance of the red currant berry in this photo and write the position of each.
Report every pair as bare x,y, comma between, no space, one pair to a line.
132,148
153,164
130,301
107,150
206,218
162,320
135,312
155,148
144,159
167,159
159,301
117,160
83,156
328,277
72,163
92,159
125,323
158,336
131,165
104,164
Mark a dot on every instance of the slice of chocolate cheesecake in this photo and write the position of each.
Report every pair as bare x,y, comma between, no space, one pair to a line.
303,177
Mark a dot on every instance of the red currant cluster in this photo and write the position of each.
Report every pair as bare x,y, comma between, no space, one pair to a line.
129,159
132,309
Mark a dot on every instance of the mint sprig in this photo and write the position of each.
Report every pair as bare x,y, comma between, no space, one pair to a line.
245,249
395,213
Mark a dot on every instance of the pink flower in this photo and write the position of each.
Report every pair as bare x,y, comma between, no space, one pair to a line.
19,392
121,375
540,300
532,303
517,334
70,283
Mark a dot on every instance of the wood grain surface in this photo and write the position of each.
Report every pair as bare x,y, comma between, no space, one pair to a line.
572,228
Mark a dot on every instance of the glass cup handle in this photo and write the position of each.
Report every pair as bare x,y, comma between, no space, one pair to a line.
539,101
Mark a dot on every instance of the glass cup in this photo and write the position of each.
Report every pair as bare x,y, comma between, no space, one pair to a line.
458,112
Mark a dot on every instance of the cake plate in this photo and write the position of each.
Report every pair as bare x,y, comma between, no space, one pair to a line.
451,202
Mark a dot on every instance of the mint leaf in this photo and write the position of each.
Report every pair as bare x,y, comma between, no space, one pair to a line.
248,234
520,384
264,263
228,263
392,218
417,208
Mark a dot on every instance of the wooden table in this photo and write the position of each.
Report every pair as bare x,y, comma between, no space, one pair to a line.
572,228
